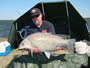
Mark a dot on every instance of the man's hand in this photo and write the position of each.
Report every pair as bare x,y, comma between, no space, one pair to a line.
58,48
34,50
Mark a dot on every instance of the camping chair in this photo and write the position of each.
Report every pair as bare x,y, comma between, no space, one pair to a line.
22,33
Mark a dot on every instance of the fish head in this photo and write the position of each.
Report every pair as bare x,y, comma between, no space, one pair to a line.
25,44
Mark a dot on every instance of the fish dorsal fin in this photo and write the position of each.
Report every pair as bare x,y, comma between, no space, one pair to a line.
47,54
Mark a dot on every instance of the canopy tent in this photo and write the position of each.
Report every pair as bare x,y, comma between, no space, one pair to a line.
73,25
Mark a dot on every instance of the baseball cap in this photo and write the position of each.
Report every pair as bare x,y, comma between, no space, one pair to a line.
35,12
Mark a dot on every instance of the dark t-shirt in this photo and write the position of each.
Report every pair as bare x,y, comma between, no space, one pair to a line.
45,27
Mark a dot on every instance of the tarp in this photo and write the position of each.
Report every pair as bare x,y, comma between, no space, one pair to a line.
72,26
60,61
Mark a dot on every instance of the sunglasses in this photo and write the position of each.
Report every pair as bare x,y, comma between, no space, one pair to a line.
35,16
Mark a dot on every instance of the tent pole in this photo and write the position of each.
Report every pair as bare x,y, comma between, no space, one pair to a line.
43,9
68,18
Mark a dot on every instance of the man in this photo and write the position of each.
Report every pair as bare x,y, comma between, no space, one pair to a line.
37,24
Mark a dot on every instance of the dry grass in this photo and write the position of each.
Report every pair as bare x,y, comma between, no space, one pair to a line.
5,60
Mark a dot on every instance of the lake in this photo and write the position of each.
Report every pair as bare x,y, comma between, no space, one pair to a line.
5,26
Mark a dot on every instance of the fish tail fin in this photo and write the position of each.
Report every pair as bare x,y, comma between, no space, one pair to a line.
71,45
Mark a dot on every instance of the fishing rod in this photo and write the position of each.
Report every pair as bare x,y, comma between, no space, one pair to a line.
68,17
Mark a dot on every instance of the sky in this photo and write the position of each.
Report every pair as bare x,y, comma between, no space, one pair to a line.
13,9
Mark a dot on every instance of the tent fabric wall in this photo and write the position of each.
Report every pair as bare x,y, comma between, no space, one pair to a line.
77,24
12,35
55,12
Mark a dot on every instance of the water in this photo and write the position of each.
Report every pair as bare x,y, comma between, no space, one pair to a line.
88,23
5,26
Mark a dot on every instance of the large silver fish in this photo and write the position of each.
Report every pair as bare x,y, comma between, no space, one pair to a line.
46,42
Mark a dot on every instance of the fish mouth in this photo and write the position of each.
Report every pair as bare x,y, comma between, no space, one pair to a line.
23,49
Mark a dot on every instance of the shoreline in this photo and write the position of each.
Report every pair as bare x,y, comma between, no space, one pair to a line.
3,38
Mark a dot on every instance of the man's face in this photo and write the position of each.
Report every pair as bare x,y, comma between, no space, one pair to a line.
37,19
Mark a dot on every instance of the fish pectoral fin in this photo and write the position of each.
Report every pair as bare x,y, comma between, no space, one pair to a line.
47,54
32,52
